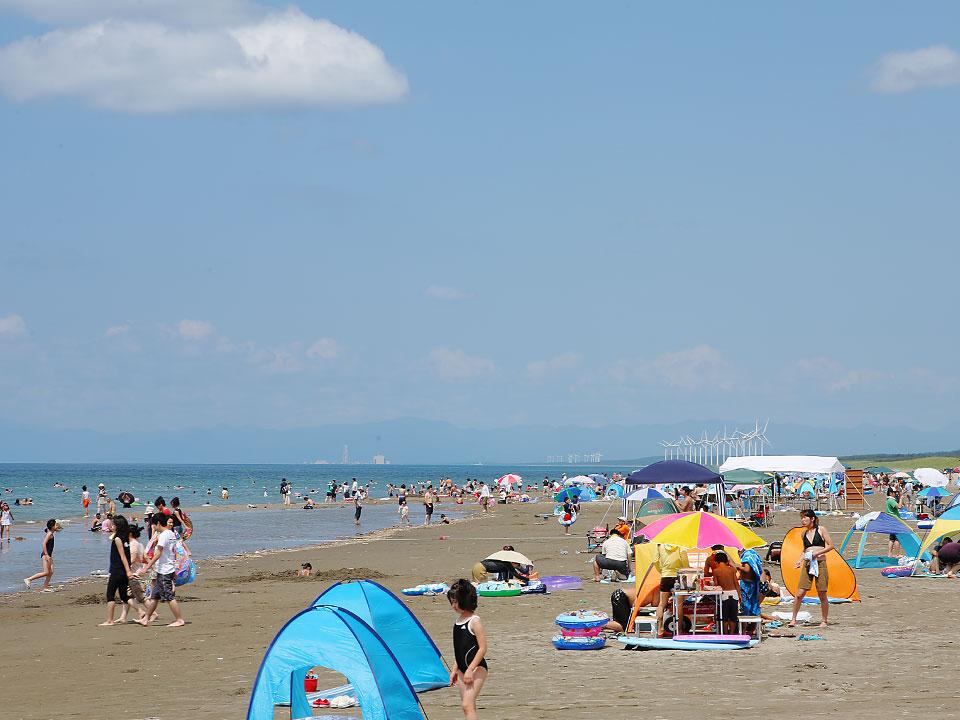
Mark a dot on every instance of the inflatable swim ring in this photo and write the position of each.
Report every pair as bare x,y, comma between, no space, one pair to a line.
579,643
582,619
897,571
427,589
497,589
567,519
581,632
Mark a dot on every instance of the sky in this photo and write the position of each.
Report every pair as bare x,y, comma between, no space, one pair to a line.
248,214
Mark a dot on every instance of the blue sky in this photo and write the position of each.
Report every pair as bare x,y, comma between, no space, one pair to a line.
487,214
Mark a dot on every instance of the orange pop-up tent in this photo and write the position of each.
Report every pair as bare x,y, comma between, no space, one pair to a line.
842,583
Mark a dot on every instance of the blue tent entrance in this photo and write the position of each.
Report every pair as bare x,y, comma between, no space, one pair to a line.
885,524
337,639
391,619
364,632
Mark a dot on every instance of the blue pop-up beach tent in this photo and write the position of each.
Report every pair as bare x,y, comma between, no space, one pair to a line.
337,639
885,524
418,655
364,632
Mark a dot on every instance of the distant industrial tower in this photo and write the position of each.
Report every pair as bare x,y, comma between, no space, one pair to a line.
346,455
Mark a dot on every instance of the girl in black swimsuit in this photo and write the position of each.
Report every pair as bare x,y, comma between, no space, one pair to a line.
46,557
469,647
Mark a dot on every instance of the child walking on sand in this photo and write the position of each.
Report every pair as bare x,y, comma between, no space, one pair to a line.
46,556
469,647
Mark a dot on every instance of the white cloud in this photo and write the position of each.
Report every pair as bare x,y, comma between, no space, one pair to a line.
453,365
115,330
324,349
193,12
283,59
12,326
699,367
563,363
440,292
833,376
277,361
935,66
194,329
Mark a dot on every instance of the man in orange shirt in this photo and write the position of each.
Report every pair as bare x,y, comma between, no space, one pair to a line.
622,528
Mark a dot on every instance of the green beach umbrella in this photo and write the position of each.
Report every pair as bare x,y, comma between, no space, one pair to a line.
746,477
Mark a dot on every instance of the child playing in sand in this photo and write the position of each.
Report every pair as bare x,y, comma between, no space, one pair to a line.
469,647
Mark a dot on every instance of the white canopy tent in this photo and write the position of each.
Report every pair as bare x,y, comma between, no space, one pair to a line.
786,464
812,464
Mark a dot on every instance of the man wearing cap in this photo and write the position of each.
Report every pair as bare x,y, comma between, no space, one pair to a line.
622,528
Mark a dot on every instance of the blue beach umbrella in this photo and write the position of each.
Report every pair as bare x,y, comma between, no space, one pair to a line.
571,492
932,492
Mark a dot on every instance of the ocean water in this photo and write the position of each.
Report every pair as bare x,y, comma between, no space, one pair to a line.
80,552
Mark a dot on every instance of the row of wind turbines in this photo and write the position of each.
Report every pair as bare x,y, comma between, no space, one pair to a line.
713,451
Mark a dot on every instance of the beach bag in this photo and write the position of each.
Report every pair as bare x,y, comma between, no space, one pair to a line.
186,575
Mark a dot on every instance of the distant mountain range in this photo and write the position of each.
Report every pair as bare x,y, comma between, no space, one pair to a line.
431,442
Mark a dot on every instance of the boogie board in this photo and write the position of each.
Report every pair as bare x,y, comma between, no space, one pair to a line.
842,583
645,643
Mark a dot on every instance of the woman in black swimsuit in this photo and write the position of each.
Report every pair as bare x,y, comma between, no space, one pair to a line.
469,647
816,543
46,557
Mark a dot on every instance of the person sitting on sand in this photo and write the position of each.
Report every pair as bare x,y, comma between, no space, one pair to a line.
768,588
813,565
305,570
614,555
621,604
309,504
97,523
948,557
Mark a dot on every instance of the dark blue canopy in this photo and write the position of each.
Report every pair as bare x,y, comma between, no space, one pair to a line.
673,471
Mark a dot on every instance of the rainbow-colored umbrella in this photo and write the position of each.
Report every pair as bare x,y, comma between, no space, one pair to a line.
701,530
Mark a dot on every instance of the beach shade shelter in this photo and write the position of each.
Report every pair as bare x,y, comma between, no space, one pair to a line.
391,619
674,472
630,502
841,583
952,512
943,526
743,476
334,638
931,477
803,464
884,524
615,490
580,480
701,530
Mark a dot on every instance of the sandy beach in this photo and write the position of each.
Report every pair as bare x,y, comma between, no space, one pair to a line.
885,657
